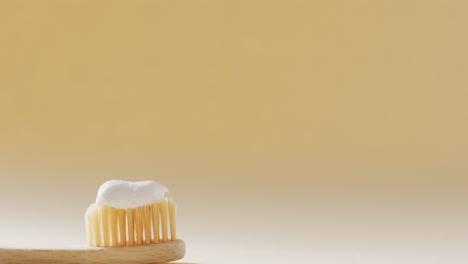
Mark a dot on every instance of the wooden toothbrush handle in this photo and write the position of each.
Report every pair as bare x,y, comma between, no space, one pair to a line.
163,252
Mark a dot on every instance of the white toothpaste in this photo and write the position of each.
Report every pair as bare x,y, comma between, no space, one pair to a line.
127,195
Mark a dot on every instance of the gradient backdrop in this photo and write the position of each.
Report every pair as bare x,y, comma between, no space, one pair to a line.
287,131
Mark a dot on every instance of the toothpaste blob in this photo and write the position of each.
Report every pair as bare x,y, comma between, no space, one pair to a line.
128,195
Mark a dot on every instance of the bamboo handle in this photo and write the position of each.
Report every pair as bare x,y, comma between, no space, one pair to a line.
154,253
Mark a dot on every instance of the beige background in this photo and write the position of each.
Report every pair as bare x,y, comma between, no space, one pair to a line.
287,131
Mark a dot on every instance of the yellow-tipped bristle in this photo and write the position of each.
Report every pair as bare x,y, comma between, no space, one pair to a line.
165,236
144,225
138,226
97,223
155,222
113,226
105,226
122,227
172,219
147,224
130,228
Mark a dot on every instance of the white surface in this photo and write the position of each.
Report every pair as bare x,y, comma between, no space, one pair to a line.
126,195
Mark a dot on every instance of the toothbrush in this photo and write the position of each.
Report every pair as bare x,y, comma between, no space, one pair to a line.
130,222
